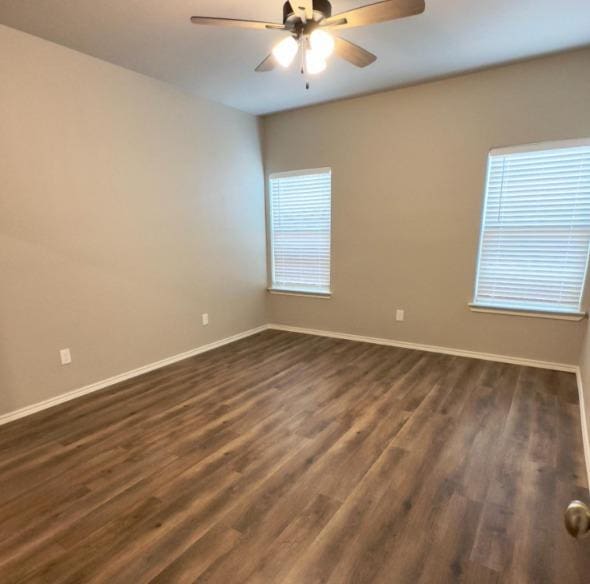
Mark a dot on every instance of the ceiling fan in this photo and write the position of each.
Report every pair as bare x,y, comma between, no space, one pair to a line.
308,23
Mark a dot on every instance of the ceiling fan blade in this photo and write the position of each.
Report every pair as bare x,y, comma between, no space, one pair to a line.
353,53
379,12
267,65
333,22
232,22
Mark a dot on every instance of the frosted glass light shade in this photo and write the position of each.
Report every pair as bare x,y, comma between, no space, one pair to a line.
322,43
285,51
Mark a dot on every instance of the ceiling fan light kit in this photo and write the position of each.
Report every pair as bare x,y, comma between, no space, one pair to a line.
308,23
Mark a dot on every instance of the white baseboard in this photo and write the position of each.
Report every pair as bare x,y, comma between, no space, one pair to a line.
583,419
431,348
64,397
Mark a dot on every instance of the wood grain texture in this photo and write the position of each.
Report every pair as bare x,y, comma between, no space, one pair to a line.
353,53
378,12
288,458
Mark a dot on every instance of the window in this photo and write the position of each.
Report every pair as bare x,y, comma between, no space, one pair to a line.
300,227
535,230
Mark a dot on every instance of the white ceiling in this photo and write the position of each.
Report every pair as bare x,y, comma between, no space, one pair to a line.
156,38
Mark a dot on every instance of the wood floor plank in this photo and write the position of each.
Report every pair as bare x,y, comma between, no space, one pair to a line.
289,458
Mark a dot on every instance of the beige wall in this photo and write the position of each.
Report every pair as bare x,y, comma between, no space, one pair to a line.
127,209
408,174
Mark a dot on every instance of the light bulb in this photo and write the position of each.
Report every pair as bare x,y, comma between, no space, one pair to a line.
285,51
314,63
322,43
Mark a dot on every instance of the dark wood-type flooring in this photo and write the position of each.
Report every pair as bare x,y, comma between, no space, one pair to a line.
287,458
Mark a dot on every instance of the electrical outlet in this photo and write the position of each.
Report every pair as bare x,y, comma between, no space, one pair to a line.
399,315
205,319
65,356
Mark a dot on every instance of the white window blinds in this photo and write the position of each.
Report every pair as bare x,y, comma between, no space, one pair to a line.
535,228
300,228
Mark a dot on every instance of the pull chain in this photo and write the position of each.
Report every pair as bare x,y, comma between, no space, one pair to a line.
303,68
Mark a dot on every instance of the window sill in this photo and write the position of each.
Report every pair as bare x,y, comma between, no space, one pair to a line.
572,316
306,293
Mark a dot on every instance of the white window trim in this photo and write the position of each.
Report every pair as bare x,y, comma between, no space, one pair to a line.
304,172
572,316
301,292
476,307
535,146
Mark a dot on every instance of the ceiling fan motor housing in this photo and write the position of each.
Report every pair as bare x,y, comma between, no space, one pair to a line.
322,6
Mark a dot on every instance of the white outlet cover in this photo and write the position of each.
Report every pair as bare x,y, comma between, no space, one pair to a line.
399,315
205,319
65,356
